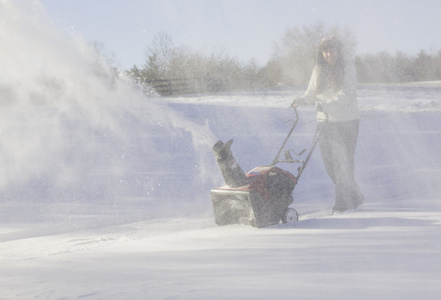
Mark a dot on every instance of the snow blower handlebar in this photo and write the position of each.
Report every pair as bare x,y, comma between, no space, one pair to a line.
314,143
287,153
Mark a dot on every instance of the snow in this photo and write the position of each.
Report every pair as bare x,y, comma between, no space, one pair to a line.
105,192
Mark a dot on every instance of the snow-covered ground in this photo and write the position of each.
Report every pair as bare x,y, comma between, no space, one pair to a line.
105,192
167,246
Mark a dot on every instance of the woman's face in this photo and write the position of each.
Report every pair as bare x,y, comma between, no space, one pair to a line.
330,55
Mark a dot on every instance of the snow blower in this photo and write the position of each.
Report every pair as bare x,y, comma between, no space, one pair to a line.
262,196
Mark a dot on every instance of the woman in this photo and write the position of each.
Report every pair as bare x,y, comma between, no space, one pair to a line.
333,91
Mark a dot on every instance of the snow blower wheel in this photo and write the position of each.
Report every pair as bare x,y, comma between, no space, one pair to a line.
291,216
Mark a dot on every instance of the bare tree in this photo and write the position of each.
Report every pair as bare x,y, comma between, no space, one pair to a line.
159,55
296,53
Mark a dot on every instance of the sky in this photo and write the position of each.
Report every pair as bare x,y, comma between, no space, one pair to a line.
245,29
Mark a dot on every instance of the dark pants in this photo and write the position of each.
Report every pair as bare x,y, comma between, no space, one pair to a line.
337,145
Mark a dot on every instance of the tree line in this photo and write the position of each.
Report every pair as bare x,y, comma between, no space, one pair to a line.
179,70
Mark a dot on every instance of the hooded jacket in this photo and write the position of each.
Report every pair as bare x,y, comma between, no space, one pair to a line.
338,105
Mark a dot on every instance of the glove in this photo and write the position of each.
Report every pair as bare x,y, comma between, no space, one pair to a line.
318,106
298,101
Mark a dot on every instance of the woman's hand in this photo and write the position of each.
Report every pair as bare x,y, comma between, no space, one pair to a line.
298,101
318,106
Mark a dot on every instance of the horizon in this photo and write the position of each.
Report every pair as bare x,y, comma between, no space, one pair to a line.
244,29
